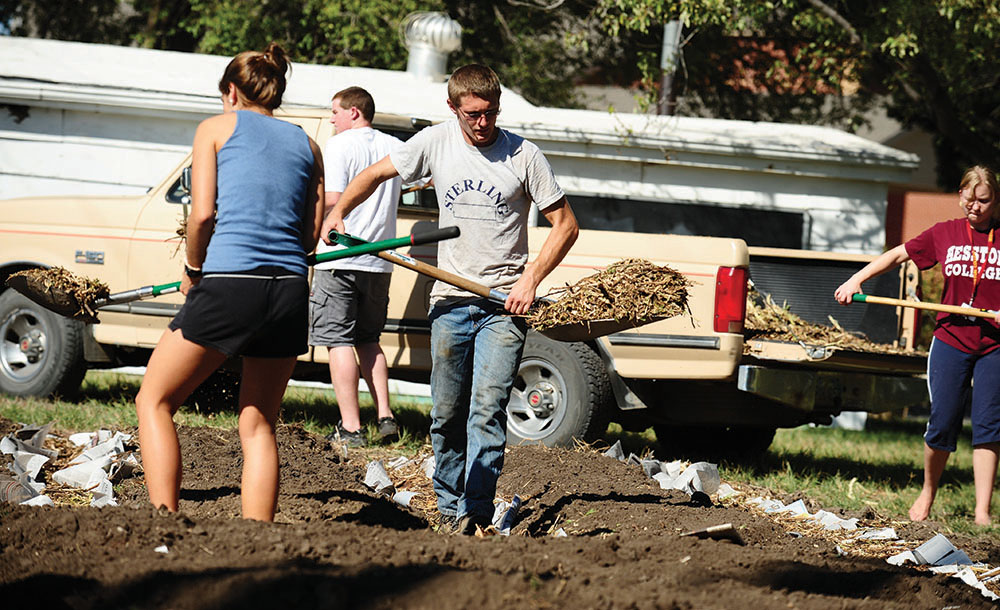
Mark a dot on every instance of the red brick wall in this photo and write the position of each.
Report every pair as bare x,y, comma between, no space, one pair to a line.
909,213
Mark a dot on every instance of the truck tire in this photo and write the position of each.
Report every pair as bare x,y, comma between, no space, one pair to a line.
561,393
733,443
41,353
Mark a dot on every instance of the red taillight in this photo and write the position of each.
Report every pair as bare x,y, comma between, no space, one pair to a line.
730,299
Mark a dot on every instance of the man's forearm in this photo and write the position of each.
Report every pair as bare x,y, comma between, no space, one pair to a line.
558,243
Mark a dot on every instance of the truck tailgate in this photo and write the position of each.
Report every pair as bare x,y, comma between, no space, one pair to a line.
827,379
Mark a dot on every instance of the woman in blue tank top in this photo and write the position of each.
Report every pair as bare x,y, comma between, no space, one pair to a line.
257,184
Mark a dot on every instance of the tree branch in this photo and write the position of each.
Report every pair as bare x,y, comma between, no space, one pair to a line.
829,11
545,7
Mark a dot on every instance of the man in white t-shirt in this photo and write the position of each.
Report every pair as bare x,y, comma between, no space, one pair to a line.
486,180
350,296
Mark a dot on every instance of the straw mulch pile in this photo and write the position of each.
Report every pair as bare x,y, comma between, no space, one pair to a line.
631,289
768,321
62,291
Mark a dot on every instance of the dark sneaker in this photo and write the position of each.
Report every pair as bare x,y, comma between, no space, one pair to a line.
388,430
472,525
448,524
350,439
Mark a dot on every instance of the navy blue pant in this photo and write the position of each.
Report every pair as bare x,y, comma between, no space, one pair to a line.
954,378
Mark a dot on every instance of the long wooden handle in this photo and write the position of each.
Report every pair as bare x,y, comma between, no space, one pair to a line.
965,311
445,276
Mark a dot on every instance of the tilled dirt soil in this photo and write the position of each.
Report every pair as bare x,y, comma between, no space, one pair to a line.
337,545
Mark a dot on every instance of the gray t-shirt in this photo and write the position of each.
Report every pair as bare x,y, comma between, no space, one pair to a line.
484,191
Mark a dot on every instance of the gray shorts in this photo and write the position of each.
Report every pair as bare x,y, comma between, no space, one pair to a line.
347,307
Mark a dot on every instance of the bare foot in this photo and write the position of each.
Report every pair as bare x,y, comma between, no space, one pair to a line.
983,519
921,508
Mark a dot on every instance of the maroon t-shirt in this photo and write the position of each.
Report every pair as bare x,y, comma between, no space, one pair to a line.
948,243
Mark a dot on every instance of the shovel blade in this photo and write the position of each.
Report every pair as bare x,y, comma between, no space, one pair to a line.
589,330
52,298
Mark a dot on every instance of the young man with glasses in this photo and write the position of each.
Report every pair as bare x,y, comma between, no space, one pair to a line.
486,179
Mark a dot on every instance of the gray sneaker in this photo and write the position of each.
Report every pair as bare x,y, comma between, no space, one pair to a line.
345,437
388,430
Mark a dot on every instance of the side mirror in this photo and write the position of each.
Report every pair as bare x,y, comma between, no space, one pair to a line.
180,190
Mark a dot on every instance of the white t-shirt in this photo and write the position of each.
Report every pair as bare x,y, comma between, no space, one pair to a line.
487,193
346,155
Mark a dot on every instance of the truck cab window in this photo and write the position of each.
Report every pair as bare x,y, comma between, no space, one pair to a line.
767,228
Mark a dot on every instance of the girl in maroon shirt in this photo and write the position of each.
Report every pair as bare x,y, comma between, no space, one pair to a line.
964,348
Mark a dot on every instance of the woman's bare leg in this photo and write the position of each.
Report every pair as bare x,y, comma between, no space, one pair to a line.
984,468
261,390
175,369
934,463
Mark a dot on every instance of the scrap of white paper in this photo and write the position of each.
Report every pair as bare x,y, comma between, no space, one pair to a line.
726,490
397,462
882,533
665,480
505,513
700,476
80,474
795,509
403,498
7,446
42,500
428,466
900,558
378,479
29,464
616,452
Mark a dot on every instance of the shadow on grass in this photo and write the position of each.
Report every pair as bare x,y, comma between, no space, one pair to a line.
320,409
113,389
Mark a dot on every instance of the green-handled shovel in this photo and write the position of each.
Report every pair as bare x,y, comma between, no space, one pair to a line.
66,304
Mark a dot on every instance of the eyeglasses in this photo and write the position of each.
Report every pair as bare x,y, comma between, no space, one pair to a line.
474,116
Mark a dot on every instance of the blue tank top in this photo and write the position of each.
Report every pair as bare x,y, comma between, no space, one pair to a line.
263,176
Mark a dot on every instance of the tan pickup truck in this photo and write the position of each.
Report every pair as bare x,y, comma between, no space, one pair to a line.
687,376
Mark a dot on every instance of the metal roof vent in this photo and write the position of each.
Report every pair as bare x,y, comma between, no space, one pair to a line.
430,37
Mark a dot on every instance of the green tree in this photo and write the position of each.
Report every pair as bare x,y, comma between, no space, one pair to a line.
932,63
151,23
539,47
338,32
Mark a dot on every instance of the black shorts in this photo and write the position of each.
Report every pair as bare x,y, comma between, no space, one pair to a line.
262,313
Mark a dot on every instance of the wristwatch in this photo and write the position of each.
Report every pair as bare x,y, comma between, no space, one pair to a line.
194,274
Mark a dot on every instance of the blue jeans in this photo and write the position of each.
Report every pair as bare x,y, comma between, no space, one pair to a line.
475,351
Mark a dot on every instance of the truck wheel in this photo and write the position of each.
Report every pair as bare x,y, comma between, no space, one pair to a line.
734,443
561,393
41,353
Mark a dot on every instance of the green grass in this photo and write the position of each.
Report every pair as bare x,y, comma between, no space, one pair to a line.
880,467
106,401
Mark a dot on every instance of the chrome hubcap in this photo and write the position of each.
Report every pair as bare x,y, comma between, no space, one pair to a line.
22,345
537,402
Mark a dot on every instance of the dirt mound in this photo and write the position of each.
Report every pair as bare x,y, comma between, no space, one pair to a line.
337,545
